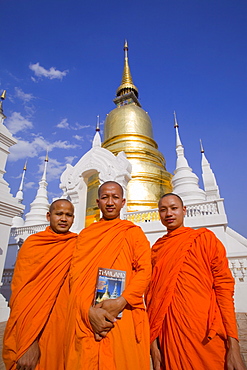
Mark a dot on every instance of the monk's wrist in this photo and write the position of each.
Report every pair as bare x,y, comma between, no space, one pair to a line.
121,303
232,342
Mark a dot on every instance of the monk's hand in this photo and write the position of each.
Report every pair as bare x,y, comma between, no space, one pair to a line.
114,306
233,359
29,360
155,355
101,321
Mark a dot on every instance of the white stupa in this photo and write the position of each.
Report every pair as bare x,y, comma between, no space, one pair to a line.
210,185
40,206
18,220
185,182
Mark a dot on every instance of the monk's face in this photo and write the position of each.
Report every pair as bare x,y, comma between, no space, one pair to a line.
171,212
61,217
110,201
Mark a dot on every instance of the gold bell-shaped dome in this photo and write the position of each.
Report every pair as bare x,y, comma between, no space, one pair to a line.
129,128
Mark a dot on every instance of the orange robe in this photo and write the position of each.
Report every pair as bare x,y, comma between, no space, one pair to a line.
119,245
39,299
189,300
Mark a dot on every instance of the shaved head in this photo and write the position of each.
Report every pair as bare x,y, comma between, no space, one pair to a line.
110,183
52,206
172,194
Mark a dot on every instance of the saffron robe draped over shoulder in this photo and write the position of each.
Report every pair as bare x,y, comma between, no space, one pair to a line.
189,300
39,299
120,245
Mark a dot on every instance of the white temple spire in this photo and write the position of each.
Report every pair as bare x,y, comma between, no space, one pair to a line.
210,185
185,182
45,167
40,206
18,220
97,138
19,194
97,124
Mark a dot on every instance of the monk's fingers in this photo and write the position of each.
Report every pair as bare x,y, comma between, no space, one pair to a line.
97,337
103,334
109,318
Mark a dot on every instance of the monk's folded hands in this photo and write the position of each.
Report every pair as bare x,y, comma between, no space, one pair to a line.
100,320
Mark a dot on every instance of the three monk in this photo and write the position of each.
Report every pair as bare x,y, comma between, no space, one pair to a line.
189,300
34,333
96,338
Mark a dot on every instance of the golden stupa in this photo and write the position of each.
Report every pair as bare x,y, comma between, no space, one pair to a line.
129,128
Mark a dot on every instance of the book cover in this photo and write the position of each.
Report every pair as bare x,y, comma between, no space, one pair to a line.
110,284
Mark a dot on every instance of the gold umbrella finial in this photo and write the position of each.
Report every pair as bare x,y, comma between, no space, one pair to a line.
127,84
3,96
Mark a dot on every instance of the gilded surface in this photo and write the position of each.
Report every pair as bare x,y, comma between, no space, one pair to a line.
128,119
128,128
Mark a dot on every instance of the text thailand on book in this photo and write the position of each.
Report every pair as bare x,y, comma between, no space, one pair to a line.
110,284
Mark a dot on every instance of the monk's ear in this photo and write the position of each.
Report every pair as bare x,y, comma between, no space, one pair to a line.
97,201
184,210
48,216
123,202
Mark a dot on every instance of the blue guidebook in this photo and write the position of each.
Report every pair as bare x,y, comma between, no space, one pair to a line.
110,285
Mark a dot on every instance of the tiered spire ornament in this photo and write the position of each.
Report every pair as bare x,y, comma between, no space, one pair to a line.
210,185
40,206
127,82
185,182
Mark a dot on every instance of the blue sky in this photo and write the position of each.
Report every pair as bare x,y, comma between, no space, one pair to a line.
62,61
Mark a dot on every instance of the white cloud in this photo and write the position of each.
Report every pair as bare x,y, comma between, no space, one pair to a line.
70,159
80,127
23,96
63,124
78,137
54,169
38,145
62,145
29,185
51,73
16,122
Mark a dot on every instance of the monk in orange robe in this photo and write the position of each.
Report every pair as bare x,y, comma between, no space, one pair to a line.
34,333
95,337
189,299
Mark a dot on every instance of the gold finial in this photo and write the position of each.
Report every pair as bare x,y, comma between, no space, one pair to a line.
127,82
175,120
46,157
97,124
3,96
202,150
25,166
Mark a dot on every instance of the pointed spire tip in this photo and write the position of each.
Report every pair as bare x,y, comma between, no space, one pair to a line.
97,124
175,120
202,150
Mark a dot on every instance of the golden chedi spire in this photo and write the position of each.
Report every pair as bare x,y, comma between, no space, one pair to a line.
127,82
128,128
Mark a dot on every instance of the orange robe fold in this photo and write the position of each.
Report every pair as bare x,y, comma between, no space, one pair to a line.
119,245
189,300
39,299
